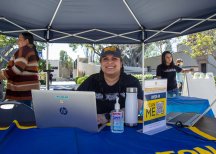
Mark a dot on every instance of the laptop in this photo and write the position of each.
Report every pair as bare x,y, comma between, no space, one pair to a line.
186,119
66,109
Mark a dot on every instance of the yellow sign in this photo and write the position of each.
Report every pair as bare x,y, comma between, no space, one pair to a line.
154,109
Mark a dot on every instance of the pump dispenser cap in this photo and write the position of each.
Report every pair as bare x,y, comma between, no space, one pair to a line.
117,105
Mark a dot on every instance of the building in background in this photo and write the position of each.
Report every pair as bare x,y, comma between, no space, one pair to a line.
83,67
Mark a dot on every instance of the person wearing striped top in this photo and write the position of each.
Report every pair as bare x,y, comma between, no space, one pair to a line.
22,71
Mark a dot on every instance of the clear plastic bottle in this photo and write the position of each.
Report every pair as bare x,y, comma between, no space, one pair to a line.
117,119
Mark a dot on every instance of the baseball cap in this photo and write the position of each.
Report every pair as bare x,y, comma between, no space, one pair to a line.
110,50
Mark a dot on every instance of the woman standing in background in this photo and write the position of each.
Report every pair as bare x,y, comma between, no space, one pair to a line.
22,71
167,70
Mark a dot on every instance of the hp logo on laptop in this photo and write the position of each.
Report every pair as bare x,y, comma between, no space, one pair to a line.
63,110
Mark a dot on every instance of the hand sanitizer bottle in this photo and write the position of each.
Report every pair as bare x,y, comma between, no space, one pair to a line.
117,119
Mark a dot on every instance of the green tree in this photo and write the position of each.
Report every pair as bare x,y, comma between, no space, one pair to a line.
40,45
70,63
202,44
168,46
132,55
91,51
151,50
5,40
42,65
63,58
163,45
66,61
157,48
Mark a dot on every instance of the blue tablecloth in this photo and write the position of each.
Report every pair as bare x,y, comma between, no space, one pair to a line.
188,104
72,141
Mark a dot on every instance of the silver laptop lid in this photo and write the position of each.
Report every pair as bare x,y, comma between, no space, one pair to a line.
187,119
65,109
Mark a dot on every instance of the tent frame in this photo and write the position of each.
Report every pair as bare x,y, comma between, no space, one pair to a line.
113,35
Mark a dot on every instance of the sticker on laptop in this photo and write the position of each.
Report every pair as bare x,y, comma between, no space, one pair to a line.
62,97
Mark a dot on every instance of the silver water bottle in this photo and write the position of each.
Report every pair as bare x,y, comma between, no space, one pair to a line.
131,107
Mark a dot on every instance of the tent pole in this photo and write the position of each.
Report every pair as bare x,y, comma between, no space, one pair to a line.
24,30
77,35
47,67
164,29
143,60
132,13
198,23
13,23
197,19
54,15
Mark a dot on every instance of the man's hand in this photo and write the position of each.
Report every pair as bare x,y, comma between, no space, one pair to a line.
101,119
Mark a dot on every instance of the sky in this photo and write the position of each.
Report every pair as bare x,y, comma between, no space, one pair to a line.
55,48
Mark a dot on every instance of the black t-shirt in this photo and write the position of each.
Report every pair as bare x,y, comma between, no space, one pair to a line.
169,73
106,95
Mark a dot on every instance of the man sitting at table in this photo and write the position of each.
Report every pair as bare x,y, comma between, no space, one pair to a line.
110,82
